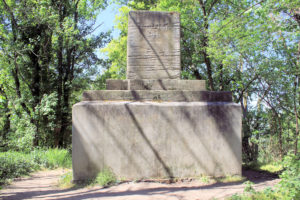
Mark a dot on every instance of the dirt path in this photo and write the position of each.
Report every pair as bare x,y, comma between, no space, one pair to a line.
43,185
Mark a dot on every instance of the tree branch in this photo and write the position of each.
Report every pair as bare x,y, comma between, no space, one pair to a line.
211,7
202,4
247,86
237,16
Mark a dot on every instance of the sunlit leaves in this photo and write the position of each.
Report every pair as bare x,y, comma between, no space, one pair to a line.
116,50
32,34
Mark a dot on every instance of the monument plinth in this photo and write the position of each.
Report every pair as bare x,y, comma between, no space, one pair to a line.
154,125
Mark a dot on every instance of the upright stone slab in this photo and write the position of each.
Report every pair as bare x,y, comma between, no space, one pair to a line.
153,45
154,125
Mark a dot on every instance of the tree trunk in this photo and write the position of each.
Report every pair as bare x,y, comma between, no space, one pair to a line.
296,86
207,60
279,132
35,89
59,116
65,100
6,126
221,79
197,74
209,71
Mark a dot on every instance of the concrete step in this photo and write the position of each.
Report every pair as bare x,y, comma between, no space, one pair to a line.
152,84
157,95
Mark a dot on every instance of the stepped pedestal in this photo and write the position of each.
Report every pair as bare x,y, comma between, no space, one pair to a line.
154,125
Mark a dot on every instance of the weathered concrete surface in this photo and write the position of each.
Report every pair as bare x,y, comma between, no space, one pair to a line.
151,139
157,95
153,45
153,84
112,84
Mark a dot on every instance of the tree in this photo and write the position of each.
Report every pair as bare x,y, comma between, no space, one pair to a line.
46,45
247,47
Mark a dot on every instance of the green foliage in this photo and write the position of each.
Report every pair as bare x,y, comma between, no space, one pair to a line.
23,131
271,167
224,179
230,179
21,138
249,187
47,53
65,181
15,164
205,179
289,186
106,177
52,158
267,194
287,189
116,50
247,47
251,48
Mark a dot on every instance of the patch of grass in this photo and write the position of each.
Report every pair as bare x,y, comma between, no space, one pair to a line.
15,164
205,179
65,181
272,167
58,158
267,194
226,179
288,187
231,179
251,194
52,158
249,187
106,178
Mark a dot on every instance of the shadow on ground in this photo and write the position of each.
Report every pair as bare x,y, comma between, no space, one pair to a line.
131,191
256,176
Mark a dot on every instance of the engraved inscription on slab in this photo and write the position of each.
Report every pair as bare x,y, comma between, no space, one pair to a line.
153,46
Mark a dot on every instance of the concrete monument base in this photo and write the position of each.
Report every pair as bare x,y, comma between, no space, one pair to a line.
149,139
154,125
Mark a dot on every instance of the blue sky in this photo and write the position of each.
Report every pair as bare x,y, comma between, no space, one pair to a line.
107,18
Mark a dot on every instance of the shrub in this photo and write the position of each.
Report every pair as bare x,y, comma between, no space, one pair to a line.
66,181
58,158
16,164
105,178
52,158
288,188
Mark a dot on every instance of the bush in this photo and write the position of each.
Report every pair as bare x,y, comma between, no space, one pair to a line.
52,158
65,181
21,135
16,164
288,188
105,178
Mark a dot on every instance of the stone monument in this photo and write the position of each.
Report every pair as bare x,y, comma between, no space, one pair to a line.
154,125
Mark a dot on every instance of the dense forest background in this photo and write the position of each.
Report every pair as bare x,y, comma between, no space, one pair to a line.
48,56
